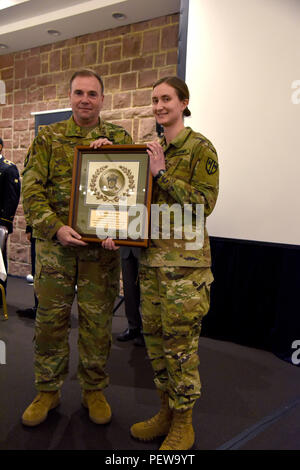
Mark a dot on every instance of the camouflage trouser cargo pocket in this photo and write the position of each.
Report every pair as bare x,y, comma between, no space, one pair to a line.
174,301
58,269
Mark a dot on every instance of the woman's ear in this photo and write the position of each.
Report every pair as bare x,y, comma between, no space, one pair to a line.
185,103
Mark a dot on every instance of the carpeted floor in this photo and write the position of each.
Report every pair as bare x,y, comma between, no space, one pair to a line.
250,399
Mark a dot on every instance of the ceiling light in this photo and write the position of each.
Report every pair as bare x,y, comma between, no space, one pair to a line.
3,46
53,32
10,3
118,16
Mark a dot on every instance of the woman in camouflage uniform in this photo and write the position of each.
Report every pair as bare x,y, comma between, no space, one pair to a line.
175,275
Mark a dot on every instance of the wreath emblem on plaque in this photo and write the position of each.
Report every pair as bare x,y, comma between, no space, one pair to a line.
110,184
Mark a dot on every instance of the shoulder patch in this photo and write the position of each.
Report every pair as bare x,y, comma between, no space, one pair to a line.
211,166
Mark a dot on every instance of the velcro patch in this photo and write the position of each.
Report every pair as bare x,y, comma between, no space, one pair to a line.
180,152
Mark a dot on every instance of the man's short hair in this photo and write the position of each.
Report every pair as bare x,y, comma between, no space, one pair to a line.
87,73
1,142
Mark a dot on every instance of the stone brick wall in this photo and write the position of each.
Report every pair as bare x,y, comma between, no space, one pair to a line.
129,58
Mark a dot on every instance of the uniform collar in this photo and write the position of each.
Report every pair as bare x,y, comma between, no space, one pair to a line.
1,156
179,139
74,130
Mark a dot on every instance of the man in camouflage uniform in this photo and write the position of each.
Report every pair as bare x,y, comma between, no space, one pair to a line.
175,279
9,199
64,260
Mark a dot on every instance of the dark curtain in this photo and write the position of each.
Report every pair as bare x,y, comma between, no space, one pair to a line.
255,295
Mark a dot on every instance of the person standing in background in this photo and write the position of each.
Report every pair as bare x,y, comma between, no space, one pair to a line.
131,287
9,199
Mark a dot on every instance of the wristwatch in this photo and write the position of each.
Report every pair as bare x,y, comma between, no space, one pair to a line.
159,174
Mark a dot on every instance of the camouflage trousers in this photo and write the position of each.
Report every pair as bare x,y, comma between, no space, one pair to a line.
58,270
174,301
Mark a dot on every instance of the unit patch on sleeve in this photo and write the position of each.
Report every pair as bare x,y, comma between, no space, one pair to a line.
211,166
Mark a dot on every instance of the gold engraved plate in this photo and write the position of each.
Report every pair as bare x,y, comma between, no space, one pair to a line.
105,219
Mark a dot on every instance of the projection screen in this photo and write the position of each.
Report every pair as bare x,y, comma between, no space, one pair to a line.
243,71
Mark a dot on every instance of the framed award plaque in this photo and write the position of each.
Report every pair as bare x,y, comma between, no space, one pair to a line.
111,194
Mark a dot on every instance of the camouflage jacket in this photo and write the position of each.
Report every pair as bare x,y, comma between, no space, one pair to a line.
9,192
47,177
192,177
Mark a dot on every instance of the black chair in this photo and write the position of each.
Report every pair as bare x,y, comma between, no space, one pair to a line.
3,238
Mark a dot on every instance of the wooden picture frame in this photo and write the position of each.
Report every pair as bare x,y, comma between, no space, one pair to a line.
111,194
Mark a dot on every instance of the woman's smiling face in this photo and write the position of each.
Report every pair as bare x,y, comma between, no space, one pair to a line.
167,107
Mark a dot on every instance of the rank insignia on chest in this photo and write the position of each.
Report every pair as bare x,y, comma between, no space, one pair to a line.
211,166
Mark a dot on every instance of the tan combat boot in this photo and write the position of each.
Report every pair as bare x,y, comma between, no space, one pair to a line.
99,409
37,411
181,435
157,426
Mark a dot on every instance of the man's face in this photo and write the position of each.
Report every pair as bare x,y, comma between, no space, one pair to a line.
1,147
86,100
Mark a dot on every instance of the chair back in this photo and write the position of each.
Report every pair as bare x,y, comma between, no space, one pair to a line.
3,236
